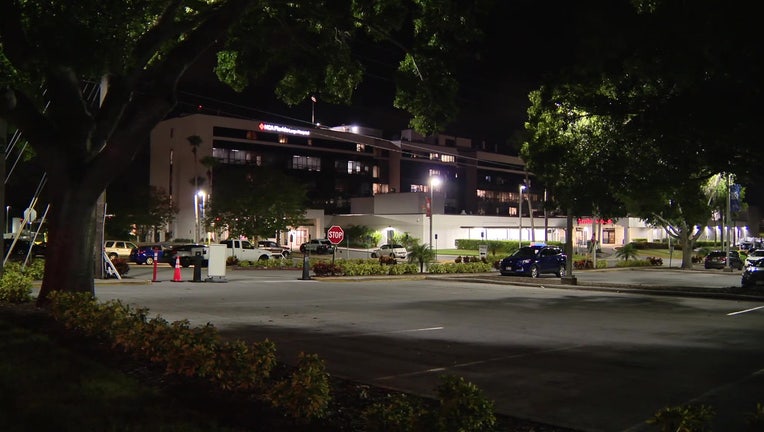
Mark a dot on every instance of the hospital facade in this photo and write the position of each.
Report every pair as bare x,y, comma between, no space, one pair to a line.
354,176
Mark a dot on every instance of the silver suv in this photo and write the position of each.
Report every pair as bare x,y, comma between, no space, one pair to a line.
118,248
391,250
319,246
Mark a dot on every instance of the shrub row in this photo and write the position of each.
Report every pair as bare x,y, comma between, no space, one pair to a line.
362,267
16,282
199,352
303,395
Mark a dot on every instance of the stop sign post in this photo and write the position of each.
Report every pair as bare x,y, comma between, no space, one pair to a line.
335,234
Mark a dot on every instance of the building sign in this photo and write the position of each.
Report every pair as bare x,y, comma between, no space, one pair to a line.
267,127
590,221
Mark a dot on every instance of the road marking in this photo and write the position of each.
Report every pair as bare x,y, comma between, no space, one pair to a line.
478,362
745,311
394,332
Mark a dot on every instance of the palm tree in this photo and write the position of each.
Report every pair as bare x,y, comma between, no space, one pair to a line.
627,252
422,254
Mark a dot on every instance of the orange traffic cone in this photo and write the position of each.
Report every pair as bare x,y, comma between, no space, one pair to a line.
176,277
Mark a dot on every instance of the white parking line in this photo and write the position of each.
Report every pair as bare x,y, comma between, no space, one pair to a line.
478,362
745,310
393,332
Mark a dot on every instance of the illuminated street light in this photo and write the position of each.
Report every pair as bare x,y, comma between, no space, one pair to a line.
198,214
520,216
434,182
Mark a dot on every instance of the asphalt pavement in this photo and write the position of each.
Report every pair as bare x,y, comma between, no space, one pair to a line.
552,385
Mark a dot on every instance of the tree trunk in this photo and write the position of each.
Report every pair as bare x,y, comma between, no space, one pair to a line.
687,240
69,260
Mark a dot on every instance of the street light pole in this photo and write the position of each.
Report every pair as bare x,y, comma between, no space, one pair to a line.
434,182
196,218
313,111
520,216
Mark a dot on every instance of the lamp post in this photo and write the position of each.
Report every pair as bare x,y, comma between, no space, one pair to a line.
313,111
520,216
196,218
434,182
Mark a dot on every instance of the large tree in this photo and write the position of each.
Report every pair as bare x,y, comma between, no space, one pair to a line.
664,96
255,202
137,50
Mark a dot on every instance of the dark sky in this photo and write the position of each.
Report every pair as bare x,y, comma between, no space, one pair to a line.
524,42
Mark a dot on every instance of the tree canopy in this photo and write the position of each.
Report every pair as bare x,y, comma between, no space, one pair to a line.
255,202
137,50
646,118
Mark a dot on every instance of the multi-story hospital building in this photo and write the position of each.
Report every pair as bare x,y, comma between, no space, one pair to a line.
356,177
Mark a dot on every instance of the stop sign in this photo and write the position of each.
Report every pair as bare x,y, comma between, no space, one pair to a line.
335,234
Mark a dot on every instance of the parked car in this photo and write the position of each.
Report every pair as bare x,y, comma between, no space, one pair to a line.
391,250
319,246
118,248
718,259
187,254
753,274
21,248
145,254
274,247
753,255
534,260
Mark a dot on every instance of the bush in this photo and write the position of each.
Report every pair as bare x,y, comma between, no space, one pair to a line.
121,265
688,418
463,407
398,413
306,393
15,287
327,269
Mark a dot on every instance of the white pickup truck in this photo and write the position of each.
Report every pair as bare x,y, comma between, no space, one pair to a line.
244,250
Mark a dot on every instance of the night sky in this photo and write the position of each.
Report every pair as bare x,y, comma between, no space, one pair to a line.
520,47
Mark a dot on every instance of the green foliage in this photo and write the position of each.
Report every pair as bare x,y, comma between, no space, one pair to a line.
325,268
463,407
141,209
145,47
15,286
255,202
398,413
199,352
405,240
687,418
755,419
627,252
420,253
460,267
305,394
361,236
35,269
495,247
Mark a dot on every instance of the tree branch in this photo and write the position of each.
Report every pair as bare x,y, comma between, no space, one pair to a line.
12,38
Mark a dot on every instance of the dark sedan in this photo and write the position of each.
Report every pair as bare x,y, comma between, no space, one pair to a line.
186,254
753,274
718,259
146,254
533,261
20,248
